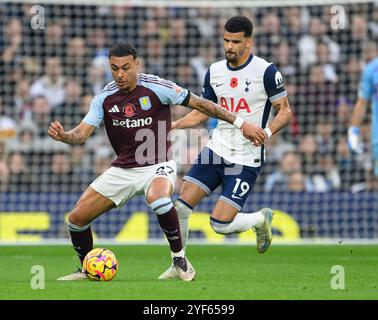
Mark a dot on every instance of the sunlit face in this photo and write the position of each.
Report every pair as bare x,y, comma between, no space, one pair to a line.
124,71
237,47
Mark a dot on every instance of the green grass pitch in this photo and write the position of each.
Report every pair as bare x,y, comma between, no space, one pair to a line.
223,272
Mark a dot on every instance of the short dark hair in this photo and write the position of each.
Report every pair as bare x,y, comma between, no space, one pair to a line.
122,49
239,24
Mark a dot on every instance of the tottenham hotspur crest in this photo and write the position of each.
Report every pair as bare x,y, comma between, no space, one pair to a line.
247,83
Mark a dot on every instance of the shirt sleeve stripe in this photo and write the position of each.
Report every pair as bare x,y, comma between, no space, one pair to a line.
278,96
159,83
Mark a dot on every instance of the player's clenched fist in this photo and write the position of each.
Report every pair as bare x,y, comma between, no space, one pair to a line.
56,131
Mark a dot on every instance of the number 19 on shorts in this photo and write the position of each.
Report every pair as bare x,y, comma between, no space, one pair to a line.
240,189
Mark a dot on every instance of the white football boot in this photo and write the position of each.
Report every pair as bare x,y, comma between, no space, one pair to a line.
77,275
170,273
264,233
184,269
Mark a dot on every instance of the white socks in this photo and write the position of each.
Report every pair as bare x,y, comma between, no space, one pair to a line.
242,222
183,212
181,253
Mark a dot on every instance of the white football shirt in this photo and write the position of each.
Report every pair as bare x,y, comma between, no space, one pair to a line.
247,91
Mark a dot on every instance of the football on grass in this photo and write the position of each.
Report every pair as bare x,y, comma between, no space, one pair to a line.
100,264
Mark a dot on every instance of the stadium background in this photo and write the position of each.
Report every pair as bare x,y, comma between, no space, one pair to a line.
51,69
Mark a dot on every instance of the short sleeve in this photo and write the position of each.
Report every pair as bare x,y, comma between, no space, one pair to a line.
273,83
365,90
207,90
96,111
167,91
176,94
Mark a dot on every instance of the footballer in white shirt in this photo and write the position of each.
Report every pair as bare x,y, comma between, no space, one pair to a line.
248,87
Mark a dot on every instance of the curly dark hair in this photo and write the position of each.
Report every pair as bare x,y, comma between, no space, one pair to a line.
239,24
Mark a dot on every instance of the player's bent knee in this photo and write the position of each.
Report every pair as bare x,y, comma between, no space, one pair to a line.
75,221
156,194
152,197
159,188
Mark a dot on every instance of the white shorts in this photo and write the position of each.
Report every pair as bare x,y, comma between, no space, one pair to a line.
121,184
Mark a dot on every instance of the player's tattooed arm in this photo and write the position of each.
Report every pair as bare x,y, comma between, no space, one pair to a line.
210,108
283,116
77,135
250,131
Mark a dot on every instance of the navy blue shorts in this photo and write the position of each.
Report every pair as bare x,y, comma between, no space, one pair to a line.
211,170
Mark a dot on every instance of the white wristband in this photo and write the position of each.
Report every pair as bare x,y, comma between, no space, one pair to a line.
238,122
268,132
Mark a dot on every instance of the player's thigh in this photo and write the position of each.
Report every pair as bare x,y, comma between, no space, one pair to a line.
202,178
90,205
224,211
237,187
118,184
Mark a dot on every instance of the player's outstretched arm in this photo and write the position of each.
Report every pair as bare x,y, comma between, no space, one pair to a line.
250,131
282,118
191,120
77,135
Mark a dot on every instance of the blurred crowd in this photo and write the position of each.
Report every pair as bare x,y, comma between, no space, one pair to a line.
53,73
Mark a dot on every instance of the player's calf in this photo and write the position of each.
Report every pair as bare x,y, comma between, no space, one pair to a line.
81,238
168,220
260,221
241,222
169,223
222,227
184,211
